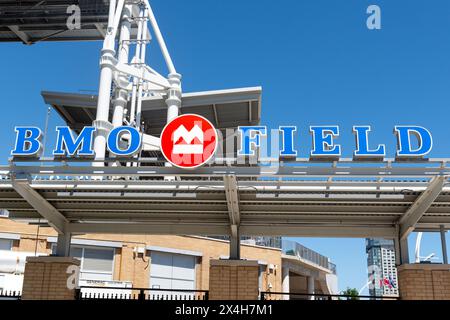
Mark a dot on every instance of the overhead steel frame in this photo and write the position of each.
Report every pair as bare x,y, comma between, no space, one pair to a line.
428,179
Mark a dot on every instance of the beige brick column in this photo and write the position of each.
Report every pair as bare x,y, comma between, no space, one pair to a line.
233,280
45,278
424,281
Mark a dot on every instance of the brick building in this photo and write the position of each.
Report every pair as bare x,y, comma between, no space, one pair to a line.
159,262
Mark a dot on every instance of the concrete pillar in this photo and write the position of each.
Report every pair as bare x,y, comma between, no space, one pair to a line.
50,278
285,280
444,245
311,287
404,251
233,280
63,245
235,246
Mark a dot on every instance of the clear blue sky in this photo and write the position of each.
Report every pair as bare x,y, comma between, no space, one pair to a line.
315,59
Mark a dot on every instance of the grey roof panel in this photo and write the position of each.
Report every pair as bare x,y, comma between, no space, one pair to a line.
224,108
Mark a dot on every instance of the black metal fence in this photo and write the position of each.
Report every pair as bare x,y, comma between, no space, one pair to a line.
306,296
86,293
10,295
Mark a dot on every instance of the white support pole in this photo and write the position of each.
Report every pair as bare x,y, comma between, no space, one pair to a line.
311,288
417,250
121,95
173,105
174,96
104,92
444,245
142,51
136,59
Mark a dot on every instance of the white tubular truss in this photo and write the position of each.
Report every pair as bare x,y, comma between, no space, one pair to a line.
131,79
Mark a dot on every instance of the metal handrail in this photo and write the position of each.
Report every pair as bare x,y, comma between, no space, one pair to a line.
140,296
16,295
263,295
145,289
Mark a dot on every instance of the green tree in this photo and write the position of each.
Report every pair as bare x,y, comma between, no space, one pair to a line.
352,292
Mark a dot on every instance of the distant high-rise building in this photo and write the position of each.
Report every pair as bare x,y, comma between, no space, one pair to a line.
381,267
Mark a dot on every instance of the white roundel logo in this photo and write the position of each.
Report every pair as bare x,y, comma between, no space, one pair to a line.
189,141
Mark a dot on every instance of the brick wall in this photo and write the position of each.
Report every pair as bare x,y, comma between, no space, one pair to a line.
233,280
129,266
45,278
424,281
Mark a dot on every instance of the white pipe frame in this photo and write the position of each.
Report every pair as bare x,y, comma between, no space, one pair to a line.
132,80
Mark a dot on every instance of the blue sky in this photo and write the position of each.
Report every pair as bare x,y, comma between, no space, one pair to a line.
315,59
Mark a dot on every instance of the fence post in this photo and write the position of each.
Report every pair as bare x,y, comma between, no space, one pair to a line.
77,294
262,296
141,296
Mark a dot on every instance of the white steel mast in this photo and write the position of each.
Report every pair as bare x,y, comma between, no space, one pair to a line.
124,80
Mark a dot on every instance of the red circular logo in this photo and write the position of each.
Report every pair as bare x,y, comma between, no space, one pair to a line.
189,141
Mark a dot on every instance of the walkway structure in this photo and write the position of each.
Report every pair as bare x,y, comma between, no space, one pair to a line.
341,199
344,198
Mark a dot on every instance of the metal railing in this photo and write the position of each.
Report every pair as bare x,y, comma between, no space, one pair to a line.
307,296
10,295
295,249
105,293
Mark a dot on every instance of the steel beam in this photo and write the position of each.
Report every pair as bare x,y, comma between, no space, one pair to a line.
232,196
317,231
423,202
20,34
45,209
251,171
217,229
231,192
149,228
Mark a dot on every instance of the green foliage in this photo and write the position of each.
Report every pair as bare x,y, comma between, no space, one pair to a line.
352,292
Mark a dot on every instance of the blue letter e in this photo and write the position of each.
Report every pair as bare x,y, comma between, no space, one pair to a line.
27,141
323,144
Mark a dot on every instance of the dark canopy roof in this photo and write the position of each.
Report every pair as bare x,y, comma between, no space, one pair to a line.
30,21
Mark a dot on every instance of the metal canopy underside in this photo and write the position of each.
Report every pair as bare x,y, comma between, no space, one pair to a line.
224,108
31,21
300,199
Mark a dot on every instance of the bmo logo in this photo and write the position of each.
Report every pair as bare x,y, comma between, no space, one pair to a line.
189,141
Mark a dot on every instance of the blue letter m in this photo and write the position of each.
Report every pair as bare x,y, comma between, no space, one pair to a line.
67,145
